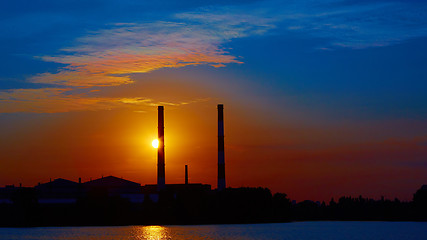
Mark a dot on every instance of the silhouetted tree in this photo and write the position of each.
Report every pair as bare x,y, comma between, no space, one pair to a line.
420,203
281,207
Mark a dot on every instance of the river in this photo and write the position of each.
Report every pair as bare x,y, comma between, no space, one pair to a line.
323,230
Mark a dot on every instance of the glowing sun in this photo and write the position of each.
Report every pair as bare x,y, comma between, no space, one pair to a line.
155,143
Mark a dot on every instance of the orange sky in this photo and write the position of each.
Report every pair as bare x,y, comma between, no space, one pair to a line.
307,160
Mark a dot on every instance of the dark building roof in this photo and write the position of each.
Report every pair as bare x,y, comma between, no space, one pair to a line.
58,188
113,185
57,183
111,181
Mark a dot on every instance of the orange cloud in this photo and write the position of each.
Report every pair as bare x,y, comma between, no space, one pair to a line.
52,100
110,56
107,57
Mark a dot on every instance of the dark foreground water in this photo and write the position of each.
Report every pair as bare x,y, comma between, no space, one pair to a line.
297,230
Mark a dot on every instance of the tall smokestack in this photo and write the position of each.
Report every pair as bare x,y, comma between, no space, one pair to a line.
186,174
161,151
221,157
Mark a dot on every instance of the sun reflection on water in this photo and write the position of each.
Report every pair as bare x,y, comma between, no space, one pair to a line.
152,233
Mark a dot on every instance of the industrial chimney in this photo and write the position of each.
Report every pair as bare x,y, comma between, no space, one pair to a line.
186,174
221,157
161,151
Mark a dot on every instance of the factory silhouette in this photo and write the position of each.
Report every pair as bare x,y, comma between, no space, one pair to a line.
63,191
40,205
115,201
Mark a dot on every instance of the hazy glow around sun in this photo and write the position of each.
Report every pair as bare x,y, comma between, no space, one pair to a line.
155,143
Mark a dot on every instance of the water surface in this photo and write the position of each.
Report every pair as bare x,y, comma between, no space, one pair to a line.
296,230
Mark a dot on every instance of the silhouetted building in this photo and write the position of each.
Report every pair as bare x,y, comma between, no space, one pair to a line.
58,191
7,193
115,187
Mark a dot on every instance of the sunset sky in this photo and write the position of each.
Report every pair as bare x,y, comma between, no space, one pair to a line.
321,98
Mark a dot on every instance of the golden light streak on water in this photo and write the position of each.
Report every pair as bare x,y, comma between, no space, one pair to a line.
152,233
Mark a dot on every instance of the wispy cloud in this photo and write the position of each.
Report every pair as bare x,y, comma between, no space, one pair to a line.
356,24
107,57
335,23
53,100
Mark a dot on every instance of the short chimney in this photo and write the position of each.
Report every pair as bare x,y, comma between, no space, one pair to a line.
186,174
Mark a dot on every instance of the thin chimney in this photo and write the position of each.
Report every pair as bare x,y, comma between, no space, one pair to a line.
161,150
186,174
221,156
